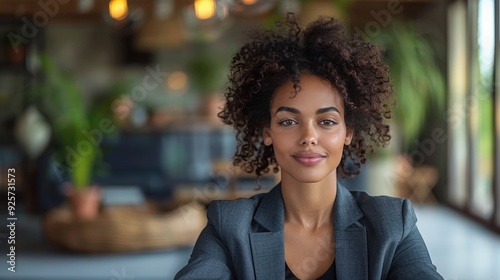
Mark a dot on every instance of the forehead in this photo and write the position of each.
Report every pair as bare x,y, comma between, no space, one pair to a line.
314,93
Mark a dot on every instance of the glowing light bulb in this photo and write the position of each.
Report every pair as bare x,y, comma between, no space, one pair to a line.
249,2
204,9
118,9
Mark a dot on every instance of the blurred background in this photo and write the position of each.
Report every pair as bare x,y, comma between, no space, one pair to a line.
110,145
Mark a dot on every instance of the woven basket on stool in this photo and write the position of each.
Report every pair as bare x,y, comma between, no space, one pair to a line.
126,229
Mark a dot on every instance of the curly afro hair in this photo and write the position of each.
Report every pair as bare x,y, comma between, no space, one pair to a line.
326,49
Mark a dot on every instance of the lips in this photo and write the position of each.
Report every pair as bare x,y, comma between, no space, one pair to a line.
308,157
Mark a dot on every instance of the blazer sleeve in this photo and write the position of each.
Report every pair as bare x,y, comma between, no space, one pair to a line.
411,259
210,258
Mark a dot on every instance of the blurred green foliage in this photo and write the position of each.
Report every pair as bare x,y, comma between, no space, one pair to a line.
418,81
74,124
207,68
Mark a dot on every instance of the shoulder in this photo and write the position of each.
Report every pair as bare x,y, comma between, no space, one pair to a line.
233,214
236,206
386,203
386,213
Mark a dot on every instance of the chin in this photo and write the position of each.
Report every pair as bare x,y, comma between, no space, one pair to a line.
306,177
309,179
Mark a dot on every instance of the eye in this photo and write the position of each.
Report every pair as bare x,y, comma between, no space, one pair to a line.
328,122
287,122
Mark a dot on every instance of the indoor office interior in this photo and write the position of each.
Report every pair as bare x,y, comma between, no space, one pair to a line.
111,148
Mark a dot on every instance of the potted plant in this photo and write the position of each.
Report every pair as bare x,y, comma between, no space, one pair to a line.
419,93
207,70
76,133
418,82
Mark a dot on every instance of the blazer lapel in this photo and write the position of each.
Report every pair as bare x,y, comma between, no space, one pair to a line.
268,252
268,249
268,255
351,256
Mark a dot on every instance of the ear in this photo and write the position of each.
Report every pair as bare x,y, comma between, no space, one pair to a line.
268,141
348,136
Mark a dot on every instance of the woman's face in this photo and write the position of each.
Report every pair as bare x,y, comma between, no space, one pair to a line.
307,131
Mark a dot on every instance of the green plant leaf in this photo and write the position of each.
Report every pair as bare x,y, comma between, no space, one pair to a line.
418,81
60,99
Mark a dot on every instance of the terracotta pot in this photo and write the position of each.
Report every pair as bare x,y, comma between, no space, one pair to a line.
84,203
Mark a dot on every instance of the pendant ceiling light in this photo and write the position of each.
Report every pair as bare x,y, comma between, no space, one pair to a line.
248,2
250,7
118,9
206,18
204,9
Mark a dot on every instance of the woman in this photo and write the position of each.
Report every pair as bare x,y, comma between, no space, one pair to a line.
304,102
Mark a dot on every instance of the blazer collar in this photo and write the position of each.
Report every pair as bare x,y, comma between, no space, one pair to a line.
271,211
268,248
350,237
345,211
351,249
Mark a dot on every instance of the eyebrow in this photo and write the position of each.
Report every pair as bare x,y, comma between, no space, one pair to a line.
327,109
296,111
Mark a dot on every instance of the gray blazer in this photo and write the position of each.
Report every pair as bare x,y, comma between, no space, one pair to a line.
375,238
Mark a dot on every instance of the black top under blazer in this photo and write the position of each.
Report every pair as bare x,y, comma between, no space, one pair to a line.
376,237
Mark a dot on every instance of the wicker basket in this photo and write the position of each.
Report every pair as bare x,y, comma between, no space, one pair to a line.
126,229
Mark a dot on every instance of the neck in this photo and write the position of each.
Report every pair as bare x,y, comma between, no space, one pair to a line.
309,205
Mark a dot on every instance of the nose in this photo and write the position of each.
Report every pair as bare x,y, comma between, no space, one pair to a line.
309,136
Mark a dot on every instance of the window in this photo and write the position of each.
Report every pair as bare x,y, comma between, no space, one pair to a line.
474,123
456,114
481,115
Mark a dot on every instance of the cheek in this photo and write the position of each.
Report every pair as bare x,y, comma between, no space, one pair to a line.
281,137
335,147
281,148
335,141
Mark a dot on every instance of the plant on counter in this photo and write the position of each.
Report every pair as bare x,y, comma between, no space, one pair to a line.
76,133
